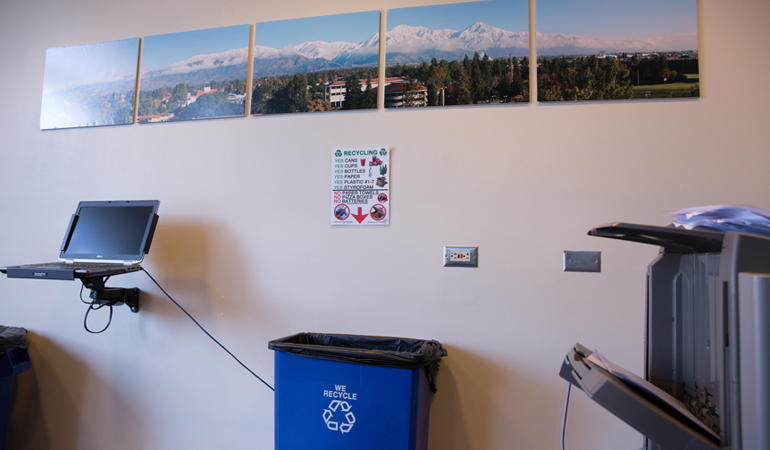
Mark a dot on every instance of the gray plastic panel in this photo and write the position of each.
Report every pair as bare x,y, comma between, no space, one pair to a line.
754,310
742,253
647,415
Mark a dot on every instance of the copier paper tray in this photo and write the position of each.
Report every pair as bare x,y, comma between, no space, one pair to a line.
657,415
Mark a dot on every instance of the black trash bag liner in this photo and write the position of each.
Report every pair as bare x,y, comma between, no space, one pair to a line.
12,338
392,352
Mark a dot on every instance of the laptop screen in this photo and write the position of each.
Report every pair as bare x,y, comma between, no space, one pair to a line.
110,231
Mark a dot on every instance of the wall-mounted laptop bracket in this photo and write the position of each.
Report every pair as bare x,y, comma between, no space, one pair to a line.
111,296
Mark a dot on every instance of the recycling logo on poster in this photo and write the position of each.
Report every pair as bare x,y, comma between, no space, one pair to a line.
339,417
360,186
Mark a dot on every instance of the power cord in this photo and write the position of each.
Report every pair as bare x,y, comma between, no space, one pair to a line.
204,330
81,296
91,307
564,419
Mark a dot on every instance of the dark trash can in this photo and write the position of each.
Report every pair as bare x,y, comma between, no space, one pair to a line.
14,359
345,392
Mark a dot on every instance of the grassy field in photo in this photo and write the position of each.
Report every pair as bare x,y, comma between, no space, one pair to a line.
667,90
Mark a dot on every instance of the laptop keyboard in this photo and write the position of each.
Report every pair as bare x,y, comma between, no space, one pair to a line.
79,266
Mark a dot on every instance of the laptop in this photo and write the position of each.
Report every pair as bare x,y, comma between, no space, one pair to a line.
103,238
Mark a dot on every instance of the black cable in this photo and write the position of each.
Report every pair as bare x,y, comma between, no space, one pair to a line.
564,420
91,308
204,330
81,296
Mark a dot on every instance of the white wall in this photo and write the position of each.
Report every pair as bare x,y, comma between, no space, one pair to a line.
244,240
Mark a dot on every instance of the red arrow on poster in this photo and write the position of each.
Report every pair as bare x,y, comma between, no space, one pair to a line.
360,217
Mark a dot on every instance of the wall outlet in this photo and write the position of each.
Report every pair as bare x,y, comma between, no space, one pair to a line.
464,255
461,256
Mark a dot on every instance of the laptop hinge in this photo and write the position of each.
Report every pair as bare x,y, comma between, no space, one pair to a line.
69,261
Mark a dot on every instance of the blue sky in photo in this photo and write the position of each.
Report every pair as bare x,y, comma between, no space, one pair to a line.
617,18
353,27
509,15
80,65
162,50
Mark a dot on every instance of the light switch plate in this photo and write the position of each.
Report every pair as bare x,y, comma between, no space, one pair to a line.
461,256
582,261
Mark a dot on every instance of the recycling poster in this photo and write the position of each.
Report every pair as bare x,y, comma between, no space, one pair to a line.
360,186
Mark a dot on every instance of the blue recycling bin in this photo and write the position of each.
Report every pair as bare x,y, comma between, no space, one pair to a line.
342,392
14,359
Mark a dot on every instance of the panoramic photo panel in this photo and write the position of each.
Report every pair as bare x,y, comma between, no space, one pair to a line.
616,50
89,85
459,54
314,64
198,74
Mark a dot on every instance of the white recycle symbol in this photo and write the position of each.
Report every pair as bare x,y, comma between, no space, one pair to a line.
345,407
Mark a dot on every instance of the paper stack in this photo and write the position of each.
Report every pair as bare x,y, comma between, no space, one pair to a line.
724,218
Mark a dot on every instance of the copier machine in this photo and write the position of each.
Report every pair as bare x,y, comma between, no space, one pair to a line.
706,382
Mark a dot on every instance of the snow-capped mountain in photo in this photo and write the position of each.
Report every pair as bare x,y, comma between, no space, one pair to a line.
313,56
553,44
204,62
405,45
325,50
408,44
228,65
262,52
